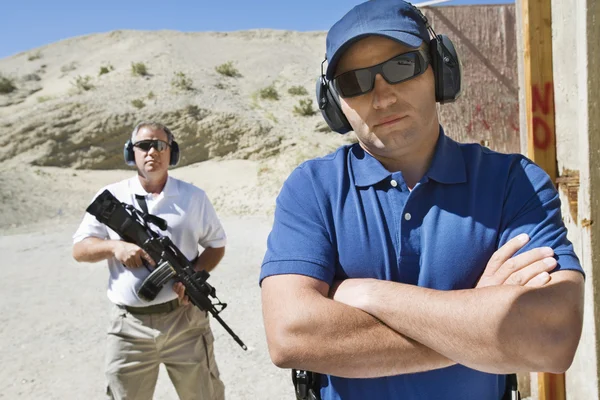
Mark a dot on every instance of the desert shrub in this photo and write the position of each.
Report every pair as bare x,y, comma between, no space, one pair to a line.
304,108
228,69
34,56
322,127
43,99
139,69
272,117
83,83
105,69
32,77
182,82
69,67
151,95
7,85
269,93
297,91
192,110
221,86
138,103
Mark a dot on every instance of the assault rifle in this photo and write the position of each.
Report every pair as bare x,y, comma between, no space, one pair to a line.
132,225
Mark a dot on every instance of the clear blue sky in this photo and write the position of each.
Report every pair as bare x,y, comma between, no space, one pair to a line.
27,24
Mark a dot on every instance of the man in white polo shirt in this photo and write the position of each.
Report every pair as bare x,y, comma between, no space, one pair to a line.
169,329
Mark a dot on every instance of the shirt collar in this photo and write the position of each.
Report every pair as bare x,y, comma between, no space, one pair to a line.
169,190
447,166
367,170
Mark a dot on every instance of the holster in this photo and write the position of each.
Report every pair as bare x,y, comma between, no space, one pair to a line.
307,386
512,388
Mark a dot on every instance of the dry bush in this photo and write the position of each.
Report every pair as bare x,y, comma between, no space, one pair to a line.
7,85
269,93
34,56
297,91
304,108
105,69
182,82
228,69
138,103
72,66
43,99
83,83
139,69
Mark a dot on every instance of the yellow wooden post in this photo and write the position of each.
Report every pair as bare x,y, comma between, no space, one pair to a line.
541,136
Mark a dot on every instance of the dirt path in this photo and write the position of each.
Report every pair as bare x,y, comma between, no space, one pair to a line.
53,316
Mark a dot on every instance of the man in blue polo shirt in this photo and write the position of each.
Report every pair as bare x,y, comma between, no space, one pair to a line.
391,266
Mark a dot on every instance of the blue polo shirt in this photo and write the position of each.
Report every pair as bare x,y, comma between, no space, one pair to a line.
346,216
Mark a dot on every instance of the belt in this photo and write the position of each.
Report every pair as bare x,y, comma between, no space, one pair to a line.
153,309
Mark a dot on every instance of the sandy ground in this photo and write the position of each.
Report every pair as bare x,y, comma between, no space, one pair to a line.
53,318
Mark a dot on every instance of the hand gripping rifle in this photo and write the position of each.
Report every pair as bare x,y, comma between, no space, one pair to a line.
132,226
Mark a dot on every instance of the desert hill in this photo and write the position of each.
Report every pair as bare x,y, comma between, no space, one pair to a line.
240,104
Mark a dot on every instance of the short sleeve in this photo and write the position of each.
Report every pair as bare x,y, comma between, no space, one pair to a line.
299,242
532,206
90,227
213,234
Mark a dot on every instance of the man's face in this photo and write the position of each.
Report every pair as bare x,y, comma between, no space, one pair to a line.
391,120
152,161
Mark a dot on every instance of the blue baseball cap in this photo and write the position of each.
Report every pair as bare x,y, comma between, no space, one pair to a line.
394,19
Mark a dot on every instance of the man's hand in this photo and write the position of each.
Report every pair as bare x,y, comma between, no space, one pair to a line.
179,288
131,255
527,269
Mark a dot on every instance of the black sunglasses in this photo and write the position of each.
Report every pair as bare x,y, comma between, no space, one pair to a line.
395,70
146,145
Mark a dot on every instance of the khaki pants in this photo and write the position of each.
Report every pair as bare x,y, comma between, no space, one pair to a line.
181,340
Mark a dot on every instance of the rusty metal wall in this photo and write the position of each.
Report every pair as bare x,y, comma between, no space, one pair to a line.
485,38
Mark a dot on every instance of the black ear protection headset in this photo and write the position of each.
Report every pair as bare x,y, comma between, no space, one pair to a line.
129,155
446,70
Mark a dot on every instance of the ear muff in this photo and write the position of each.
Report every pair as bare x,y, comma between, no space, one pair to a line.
329,104
174,153
128,153
446,69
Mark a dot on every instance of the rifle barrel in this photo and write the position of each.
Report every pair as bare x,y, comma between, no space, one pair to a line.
228,329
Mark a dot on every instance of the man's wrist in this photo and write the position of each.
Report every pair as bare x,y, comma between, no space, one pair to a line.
374,292
368,295
114,245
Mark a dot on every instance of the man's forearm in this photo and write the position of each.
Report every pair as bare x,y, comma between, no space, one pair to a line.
496,329
318,334
93,249
209,258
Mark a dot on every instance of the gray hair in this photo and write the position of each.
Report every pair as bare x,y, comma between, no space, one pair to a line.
154,126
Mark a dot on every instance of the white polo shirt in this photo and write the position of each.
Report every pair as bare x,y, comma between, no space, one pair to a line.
191,220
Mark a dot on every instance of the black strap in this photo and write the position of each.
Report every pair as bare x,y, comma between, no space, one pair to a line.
142,202
158,221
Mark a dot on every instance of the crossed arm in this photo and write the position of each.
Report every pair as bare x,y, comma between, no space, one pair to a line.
517,320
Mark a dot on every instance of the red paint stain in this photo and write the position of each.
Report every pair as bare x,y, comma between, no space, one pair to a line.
545,102
543,105
541,133
481,116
